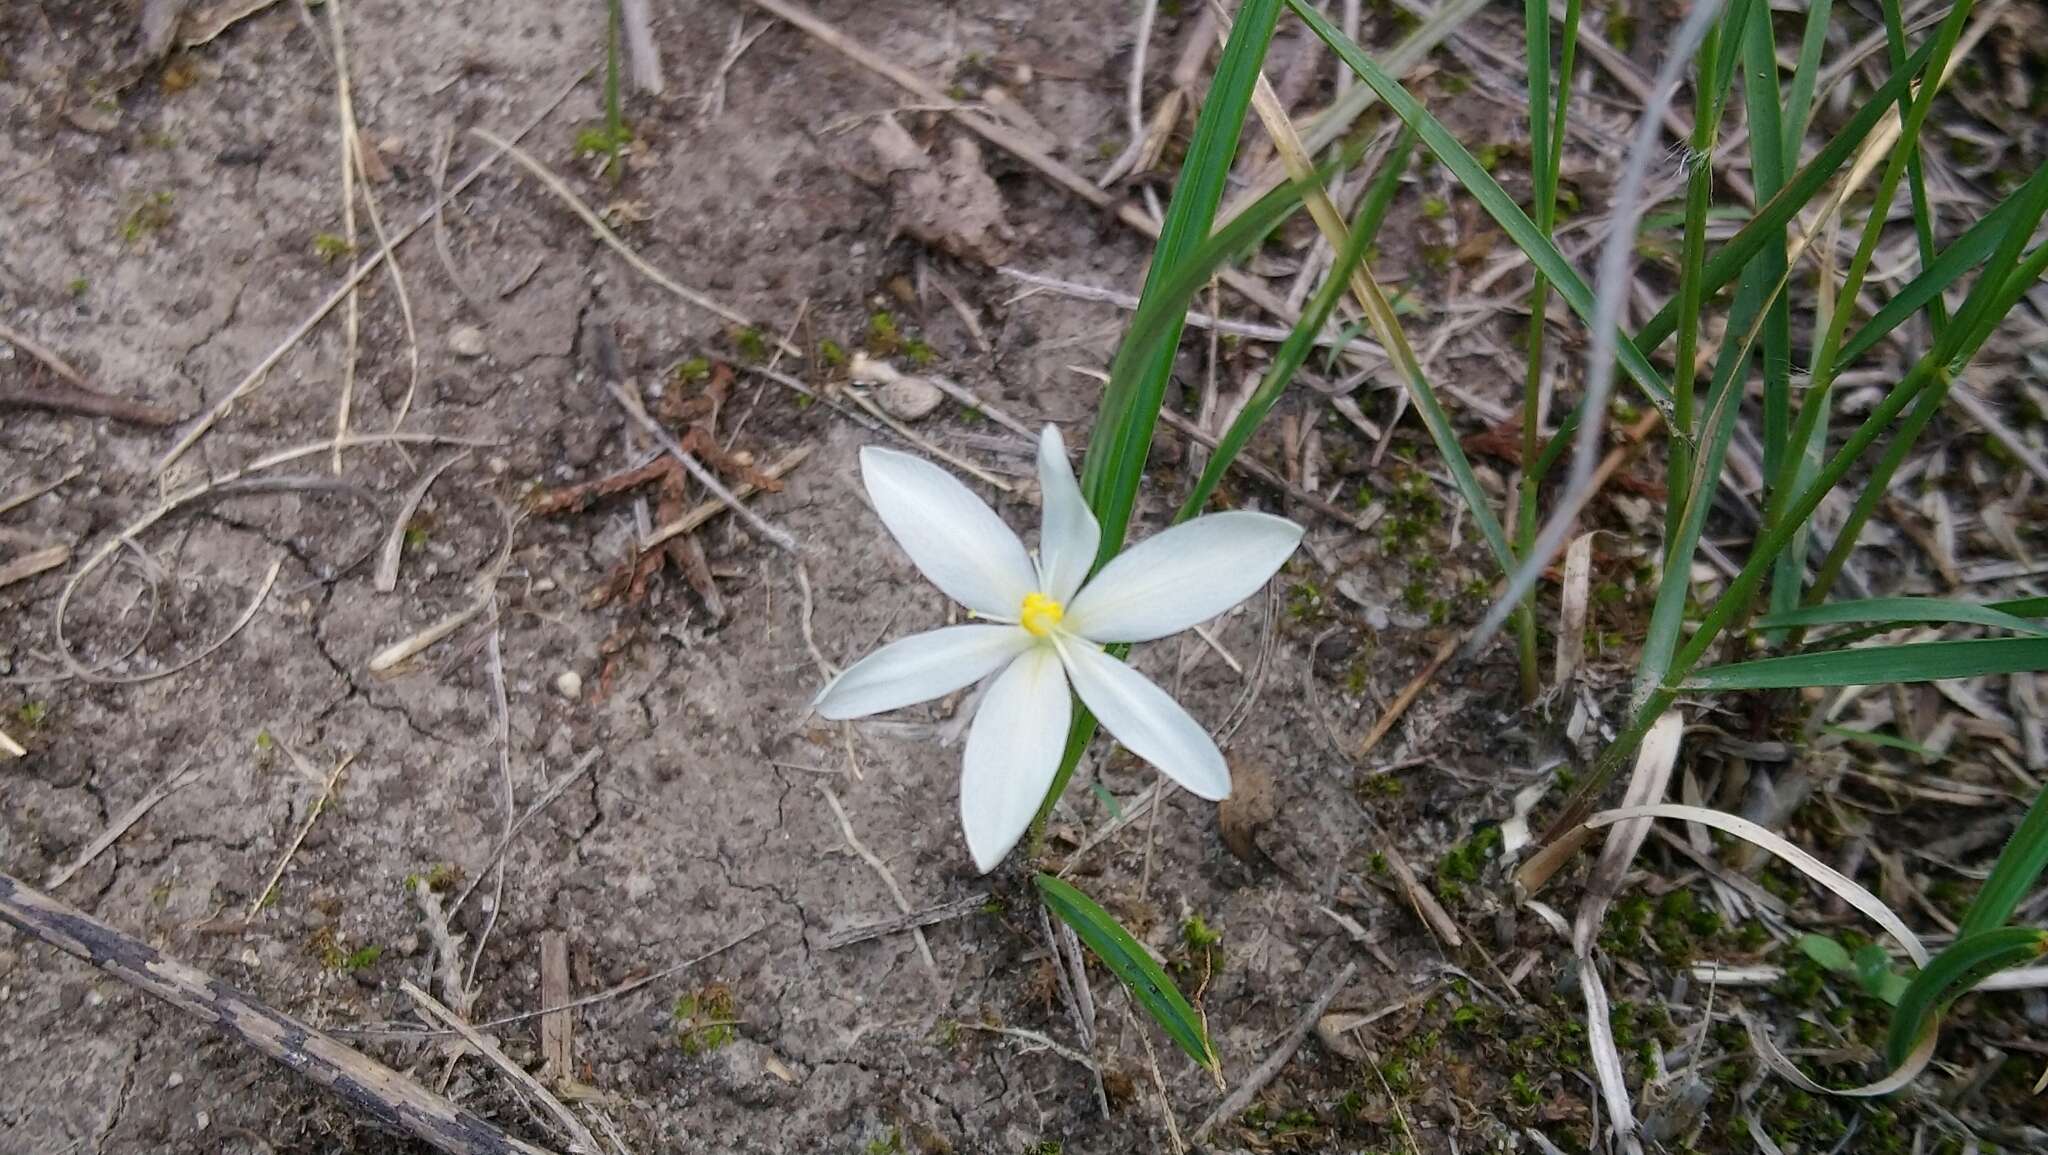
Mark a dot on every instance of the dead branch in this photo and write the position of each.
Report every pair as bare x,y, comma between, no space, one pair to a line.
369,1087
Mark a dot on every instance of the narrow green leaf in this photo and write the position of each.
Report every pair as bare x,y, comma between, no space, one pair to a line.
1900,610
1949,975
1916,180
1965,254
1542,252
1301,339
1132,966
1115,462
1888,741
1772,216
1799,101
1879,665
2018,867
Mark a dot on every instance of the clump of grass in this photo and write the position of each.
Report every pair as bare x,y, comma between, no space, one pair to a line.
704,1018
151,215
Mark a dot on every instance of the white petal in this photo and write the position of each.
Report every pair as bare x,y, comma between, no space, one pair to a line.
1013,751
919,668
952,536
1188,574
1070,536
1148,722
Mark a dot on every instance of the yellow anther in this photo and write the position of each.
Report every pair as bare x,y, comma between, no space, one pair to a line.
1040,614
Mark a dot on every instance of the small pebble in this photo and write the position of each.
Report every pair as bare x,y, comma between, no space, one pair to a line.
569,684
466,341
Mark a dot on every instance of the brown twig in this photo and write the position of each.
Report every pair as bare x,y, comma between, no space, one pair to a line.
1234,1104
81,398
579,1135
929,916
177,781
389,1097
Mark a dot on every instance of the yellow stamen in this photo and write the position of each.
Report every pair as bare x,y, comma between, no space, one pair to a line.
1040,614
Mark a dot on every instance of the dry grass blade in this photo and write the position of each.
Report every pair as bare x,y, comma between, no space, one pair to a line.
178,780
285,860
705,477
1843,887
575,204
1652,776
34,562
81,398
710,509
80,671
637,25
10,747
391,657
1571,613
1607,1067
386,579
924,949
37,489
1235,1103
579,1135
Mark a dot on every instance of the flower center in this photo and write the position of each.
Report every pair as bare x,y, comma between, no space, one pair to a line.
1040,614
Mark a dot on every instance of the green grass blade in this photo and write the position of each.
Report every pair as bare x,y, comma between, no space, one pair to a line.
1115,462
1879,665
1888,610
1965,254
1127,960
2018,867
1768,168
1772,216
1916,180
1667,615
1888,741
2024,276
1301,339
1949,975
1542,252
1799,101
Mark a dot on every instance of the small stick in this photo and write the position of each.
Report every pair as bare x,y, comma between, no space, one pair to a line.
710,509
869,371
34,562
1427,908
43,353
534,809
888,879
1234,1104
604,233
385,1095
182,778
87,404
305,828
442,248
9,505
1409,693
705,477
579,1135
929,916
557,1026
386,579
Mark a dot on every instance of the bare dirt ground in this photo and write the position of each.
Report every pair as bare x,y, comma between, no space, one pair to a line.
166,227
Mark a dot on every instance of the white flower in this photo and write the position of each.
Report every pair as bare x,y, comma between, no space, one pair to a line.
1046,630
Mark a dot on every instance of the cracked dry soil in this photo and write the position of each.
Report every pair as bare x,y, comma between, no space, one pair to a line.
164,236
